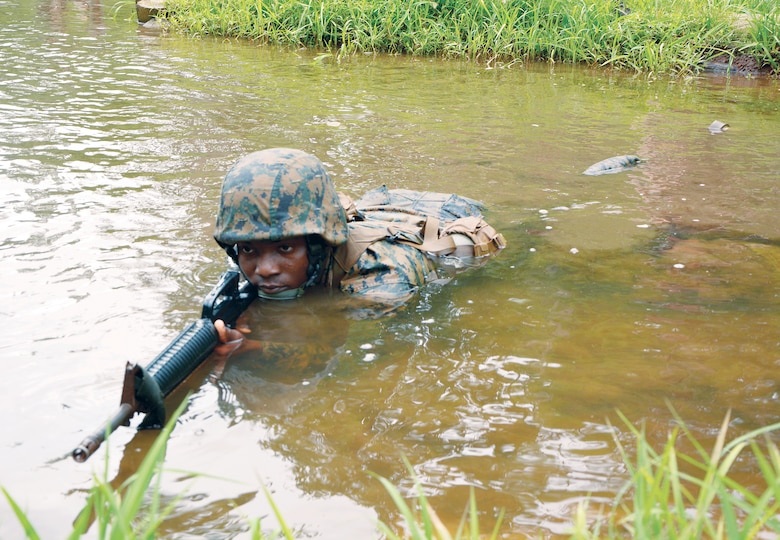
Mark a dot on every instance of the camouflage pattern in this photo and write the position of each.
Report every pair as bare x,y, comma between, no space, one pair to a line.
279,193
397,204
390,269
388,273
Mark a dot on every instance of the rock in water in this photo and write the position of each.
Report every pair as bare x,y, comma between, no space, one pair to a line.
612,165
147,9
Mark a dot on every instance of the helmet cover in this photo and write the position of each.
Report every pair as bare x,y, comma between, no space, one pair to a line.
279,193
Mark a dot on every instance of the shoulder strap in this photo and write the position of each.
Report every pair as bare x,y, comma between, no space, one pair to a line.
346,255
431,241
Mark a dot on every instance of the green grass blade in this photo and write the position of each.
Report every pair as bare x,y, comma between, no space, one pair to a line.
400,503
729,515
150,465
285,529
29,530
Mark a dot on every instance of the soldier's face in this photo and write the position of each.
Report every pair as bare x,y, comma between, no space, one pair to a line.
275,267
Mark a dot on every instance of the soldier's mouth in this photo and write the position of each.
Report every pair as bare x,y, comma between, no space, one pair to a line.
272,289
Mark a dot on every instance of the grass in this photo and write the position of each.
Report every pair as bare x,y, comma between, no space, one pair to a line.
421,520
648,36
116,513
669,494
675,495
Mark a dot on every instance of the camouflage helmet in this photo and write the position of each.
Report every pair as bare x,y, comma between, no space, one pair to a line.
279,193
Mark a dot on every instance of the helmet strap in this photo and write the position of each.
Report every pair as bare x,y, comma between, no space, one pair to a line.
317,251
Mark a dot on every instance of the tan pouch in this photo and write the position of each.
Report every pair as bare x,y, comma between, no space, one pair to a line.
485,238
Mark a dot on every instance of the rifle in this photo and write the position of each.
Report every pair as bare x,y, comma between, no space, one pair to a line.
145,388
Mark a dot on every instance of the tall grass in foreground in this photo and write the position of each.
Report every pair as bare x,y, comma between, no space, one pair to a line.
662,500
669,495
117,512
650,36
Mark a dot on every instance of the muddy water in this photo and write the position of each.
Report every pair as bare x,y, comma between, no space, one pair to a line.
632,292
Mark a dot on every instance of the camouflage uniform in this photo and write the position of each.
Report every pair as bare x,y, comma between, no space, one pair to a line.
387,272
283,193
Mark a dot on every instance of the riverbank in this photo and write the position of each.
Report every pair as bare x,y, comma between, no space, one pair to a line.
738,64
651,37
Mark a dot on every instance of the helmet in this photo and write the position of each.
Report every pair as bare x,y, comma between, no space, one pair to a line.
279,193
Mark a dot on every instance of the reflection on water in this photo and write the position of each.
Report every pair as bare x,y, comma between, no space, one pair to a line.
635,291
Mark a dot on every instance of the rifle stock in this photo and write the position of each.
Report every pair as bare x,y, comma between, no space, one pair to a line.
144,388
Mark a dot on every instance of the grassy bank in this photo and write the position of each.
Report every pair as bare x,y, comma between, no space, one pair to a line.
649,36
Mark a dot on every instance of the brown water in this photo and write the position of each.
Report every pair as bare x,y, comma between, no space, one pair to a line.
635,292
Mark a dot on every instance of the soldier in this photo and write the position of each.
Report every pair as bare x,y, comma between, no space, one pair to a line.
283,223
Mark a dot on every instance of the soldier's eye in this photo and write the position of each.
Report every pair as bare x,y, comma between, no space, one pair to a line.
285,248
245,249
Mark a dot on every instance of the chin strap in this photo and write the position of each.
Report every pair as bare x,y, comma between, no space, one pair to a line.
289,294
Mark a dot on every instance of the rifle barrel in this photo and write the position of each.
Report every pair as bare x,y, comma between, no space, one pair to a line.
93,441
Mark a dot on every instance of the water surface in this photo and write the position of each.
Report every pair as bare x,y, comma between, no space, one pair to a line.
633,292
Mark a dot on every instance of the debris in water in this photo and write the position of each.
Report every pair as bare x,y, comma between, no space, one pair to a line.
612,165
718,127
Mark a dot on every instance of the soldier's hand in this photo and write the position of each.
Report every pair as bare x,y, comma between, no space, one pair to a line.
229,336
